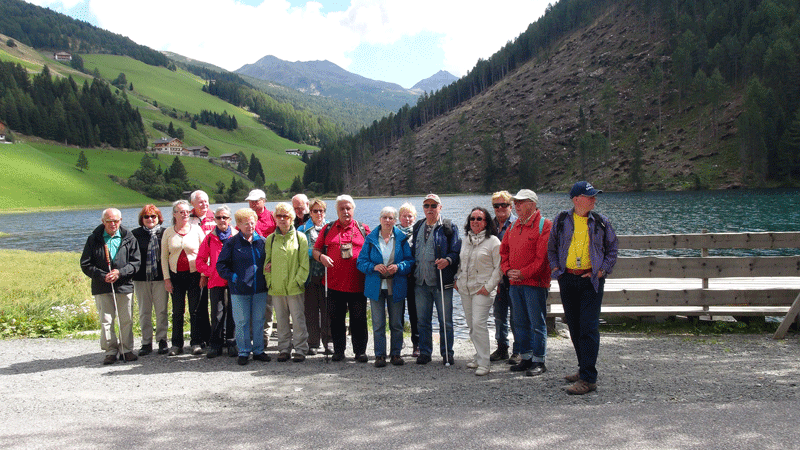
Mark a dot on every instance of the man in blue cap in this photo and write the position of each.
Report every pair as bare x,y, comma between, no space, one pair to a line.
582,250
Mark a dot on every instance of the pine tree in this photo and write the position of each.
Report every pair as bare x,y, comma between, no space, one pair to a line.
83,163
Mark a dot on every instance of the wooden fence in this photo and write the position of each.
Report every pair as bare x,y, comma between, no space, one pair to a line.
703,285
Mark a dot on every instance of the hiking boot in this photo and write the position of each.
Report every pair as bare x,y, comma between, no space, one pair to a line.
130,357
337,357
175,351
362,358
481,371
472,364
197,350
109,359
233,351
163,348
283,357
423,359
298,357
262,357
146,349
415,352
448,360
500,354
397,360
213,352
380,361
243,360
581,387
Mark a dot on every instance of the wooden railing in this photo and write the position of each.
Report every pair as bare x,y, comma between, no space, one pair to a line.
703,285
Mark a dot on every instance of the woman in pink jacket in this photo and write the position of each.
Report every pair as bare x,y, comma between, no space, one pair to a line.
222,325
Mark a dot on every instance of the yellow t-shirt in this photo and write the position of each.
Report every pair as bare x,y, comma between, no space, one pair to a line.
578,253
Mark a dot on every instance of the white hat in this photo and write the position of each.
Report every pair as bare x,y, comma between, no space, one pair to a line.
526,194
255,195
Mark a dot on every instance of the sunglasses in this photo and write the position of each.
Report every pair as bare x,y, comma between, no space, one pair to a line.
474,219
429,205
500,205
222,217
317,211
283,216
150,216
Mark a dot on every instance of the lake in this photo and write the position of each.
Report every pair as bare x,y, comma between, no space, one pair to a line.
630,213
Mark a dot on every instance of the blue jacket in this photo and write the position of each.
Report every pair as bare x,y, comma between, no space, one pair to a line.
370,256
445,247
241,262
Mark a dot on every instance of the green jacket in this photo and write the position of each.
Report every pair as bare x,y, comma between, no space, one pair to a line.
288,255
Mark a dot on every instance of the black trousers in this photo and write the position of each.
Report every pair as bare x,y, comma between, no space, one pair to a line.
187,284
339,303
222,324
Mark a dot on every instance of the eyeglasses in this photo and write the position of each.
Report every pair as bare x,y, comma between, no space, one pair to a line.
429,205
150,216
222,217
112,220
476,219
183,213
388,218
283,216
317,211
501,205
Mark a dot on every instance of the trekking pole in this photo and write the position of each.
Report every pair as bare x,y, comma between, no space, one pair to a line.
327,307
116,310
444,321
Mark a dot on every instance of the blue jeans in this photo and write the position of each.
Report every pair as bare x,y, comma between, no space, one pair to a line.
379,307
501,309
248,313
426,298
530,329
582,315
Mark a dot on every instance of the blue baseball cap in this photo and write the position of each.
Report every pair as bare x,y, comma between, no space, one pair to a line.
583,188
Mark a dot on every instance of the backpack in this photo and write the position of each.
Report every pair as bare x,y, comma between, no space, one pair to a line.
327,228
563,215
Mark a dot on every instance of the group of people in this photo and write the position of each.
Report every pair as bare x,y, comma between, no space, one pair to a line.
314,274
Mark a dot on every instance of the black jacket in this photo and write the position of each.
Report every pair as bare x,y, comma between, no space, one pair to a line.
142,236
94,265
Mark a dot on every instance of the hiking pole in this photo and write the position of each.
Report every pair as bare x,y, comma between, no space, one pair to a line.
327,307
116,310
444,321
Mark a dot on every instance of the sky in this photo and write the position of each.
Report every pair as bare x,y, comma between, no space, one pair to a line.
400,41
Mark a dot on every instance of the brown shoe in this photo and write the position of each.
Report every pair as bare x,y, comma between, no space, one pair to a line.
110,359
572,378
581,387
298,357
515,359
283,357
130,357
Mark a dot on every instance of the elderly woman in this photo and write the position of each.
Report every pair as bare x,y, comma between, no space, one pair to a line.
337,249
222,325
148,281
408,216
179,246
477,277
386,259
317,322
286,266
241,262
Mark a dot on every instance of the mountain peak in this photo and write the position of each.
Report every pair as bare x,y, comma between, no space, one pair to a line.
435,82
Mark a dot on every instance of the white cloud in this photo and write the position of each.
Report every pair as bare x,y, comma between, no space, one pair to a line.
229,33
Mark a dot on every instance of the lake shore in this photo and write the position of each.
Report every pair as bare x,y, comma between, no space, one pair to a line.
730,391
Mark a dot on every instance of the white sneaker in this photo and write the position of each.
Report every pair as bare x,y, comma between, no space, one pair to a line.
481,371
472,364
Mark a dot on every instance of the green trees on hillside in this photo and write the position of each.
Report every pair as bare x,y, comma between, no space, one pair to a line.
83,163
159,184
57,109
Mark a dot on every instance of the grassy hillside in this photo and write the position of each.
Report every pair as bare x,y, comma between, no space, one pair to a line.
31,177
175,93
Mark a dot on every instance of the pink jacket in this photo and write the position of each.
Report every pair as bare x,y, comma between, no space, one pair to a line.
207,258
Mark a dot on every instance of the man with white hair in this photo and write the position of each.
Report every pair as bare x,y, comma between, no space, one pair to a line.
201,215
301,213
111,258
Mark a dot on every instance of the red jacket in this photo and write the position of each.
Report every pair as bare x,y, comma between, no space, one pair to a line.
207,223
344,276
207,259
524,249
265,225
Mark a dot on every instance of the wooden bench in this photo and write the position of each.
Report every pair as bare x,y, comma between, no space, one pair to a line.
702,285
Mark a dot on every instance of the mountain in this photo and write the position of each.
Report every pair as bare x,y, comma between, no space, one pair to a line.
325,78
435,82
622,93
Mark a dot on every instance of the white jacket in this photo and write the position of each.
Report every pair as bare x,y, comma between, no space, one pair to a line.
480,264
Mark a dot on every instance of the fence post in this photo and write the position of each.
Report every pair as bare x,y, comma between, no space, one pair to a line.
704,254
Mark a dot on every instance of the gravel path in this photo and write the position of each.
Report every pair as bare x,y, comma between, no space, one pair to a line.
653,392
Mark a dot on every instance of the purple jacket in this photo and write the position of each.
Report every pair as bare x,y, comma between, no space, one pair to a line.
603,244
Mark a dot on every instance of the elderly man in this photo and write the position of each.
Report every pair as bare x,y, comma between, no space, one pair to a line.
436,249
523,255
201,215
266,221
582,251
301,213
503,218
337,248
110,258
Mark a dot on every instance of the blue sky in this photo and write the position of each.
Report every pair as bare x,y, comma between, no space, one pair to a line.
401,41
